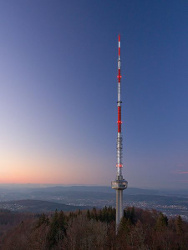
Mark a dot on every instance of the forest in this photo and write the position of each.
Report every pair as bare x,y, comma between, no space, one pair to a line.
92,229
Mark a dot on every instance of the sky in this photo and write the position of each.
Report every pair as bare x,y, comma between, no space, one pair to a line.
58,91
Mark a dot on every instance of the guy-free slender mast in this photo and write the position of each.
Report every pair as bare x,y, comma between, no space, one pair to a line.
119,184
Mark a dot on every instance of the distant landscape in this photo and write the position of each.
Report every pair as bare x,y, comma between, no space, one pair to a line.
83,217
71,198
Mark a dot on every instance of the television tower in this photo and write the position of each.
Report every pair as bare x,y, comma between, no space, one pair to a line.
119,184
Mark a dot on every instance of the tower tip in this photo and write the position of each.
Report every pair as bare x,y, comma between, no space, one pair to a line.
119,37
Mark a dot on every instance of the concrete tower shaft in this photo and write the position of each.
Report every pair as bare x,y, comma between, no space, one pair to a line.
119,184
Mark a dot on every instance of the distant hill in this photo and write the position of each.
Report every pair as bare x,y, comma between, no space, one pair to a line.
38,206
170,202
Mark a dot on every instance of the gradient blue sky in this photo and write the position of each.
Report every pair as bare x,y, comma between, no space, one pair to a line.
58,91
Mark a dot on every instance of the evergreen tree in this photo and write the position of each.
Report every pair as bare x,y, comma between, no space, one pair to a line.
162,222
88,214
43,219
129,213
53,232
179,225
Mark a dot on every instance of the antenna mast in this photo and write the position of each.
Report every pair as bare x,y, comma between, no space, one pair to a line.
119,184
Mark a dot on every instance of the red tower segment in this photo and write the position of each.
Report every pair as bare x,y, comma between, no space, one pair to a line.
119,45
119,122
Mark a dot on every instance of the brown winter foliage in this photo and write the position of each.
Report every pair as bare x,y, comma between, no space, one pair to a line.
94,229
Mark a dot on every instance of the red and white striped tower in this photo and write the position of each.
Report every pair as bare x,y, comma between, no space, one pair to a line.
119,184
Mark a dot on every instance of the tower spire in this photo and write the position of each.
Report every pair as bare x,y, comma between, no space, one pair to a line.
119,184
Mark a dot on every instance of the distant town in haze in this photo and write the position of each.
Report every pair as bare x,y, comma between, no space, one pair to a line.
22,198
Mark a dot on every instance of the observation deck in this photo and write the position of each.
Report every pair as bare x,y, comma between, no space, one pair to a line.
119,184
